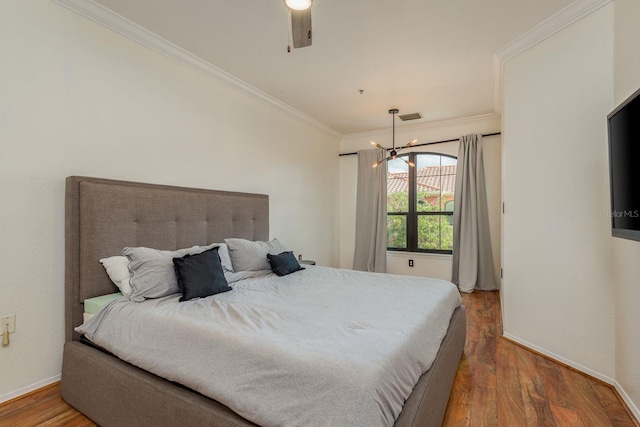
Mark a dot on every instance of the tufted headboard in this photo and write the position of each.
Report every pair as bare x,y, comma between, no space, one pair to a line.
103,216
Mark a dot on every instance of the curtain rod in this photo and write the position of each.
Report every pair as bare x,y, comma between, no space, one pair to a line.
427,143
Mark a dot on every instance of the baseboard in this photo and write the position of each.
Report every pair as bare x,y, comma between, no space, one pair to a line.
631,407
624,398
557,358
24,390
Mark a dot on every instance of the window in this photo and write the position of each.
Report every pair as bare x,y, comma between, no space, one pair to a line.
420,203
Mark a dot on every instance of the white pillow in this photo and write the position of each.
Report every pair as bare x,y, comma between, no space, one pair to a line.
252,256
118,270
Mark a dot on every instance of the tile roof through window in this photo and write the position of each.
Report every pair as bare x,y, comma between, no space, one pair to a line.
430,178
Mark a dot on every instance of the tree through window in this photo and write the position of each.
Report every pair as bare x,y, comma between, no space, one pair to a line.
420,203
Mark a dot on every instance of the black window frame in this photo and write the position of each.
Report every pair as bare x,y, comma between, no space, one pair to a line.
413,214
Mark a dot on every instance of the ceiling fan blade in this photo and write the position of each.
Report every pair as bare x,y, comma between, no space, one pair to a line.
301,27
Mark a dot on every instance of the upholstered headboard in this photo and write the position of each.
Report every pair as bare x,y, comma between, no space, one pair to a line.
103,216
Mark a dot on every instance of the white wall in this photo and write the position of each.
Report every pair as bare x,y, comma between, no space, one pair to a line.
78,99
429,265
626,253
558,293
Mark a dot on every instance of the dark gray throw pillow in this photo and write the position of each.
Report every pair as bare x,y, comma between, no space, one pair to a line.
284,263
200,275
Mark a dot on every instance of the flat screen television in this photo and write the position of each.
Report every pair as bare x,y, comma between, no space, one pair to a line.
624,168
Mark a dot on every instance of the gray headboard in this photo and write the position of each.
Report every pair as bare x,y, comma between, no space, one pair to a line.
103,216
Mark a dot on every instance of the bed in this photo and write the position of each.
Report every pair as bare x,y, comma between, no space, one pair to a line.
102,217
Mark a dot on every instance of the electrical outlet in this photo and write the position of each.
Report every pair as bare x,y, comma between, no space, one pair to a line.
410,263
10,320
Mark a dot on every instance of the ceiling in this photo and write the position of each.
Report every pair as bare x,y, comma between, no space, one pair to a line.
435,57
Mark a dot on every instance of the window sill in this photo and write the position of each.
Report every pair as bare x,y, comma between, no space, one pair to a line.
426,255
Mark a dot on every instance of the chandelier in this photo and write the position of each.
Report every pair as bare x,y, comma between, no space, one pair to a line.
393,153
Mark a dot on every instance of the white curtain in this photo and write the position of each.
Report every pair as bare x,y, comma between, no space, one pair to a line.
472,256
371,213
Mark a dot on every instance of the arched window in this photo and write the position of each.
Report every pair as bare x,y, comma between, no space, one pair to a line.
420,203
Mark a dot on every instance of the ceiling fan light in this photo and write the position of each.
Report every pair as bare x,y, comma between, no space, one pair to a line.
298,4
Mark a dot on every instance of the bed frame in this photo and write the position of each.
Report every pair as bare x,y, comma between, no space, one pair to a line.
102,217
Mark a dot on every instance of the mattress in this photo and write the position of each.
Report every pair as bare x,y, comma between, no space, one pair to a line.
320,347
94,305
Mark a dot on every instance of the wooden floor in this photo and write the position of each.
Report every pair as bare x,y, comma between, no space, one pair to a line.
501,383
498,383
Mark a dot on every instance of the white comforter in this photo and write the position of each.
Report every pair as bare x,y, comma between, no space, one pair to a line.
320,347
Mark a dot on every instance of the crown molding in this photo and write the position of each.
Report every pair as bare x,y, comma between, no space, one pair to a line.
550,26
123,26
567,16
429,125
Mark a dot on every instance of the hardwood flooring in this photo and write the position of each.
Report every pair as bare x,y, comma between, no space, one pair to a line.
44,407
498,383
501,383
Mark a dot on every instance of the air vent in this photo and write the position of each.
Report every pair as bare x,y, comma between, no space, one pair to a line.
412,116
